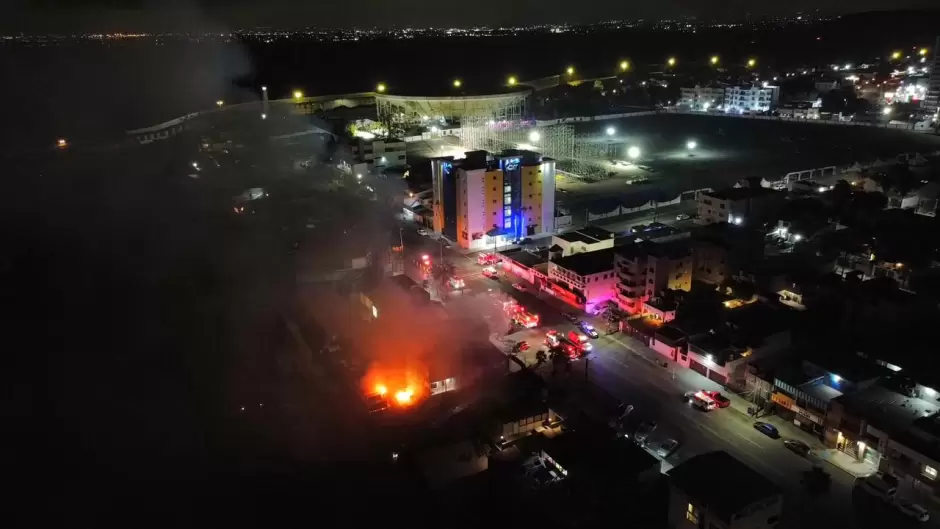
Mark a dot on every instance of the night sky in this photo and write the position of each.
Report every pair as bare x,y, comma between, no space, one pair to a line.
149,15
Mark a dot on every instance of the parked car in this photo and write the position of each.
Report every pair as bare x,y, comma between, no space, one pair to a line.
797,447
683,216
573,318
879,485
913,510
767,429
667,448
644,431
491,272
720,400
423,232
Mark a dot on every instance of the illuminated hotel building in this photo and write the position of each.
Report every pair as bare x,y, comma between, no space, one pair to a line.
932,103
487,199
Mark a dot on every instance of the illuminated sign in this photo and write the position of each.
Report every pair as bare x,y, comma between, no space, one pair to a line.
511,164
446,167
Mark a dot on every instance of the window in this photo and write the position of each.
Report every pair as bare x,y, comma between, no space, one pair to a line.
722,206
507,199
507,189
691,514
930,472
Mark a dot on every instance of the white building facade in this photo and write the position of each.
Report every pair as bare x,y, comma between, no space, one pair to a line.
740,99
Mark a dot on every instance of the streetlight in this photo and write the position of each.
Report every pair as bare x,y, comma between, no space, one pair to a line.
264,116
380,88
714,60
671,61
298,94
896,55
219,103
691,145
511,81
751,63
633,152
923,52
570,70
264,88
457,83
611,131
848,66
434,129
358,176
624,66
534,136
886,111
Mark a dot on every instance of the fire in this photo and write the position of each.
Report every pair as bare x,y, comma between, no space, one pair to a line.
402,386
404,396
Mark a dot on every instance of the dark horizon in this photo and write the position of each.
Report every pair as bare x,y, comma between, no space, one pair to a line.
90,17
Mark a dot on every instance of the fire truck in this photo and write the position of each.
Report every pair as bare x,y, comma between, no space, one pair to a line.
520,316
703,401
574,349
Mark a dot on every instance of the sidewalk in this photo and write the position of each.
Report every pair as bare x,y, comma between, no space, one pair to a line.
845,462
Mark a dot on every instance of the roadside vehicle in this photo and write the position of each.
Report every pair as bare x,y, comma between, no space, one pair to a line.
767,429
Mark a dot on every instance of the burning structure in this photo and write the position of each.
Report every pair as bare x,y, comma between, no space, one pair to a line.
413,349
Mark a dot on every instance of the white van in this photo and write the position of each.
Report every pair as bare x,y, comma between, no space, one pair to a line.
878,486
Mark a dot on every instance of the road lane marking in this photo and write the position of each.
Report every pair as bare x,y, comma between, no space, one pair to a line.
748,440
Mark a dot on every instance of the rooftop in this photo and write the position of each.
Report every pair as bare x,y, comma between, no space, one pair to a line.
696,478
739,193
886,409
526,258
599,453
589,263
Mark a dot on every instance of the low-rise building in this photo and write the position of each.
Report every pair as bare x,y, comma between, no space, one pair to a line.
702,97
755,98
647,269
696,500
738,205
584,240
598,459
752,332
584,280
380,153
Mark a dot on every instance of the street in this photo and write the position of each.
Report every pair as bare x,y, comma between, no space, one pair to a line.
632,374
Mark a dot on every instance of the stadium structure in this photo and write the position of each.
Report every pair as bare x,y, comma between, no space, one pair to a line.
398,111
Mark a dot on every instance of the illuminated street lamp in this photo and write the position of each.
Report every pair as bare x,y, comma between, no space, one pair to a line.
512,80
457,83
713,60
923,52
380,88
691,145
624,66
570,70
264,88
264,116
671,61
298,94
896,55
633,152
534,136
886,111
611,131
751,63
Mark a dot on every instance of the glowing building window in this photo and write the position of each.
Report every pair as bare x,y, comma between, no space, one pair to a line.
930,472
507,223
691,514
507,199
